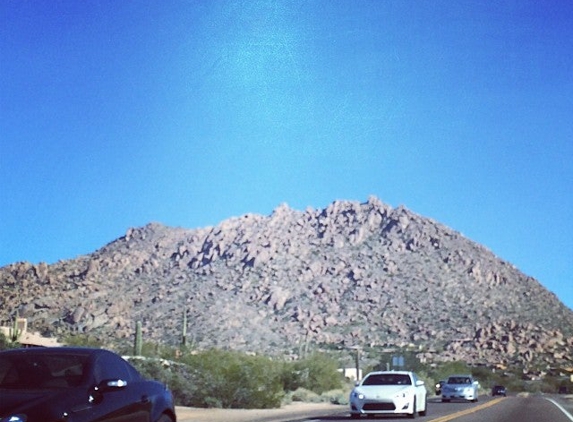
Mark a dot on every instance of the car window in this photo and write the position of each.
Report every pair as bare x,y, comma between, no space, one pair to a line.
109,366
459,380
133,374
41,371
387,379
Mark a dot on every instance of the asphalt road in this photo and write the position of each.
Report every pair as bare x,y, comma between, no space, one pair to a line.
536,408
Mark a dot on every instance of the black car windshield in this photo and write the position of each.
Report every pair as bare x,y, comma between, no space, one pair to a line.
29,371
387,379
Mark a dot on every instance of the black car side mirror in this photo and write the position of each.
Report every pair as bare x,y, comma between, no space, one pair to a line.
106,386
111,385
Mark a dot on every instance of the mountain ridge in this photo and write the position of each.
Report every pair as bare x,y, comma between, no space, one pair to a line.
347,275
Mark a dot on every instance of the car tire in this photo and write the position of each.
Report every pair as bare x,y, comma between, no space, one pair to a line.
354,416
164,418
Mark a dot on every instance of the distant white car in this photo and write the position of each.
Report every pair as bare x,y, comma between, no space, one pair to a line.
389,393
462,387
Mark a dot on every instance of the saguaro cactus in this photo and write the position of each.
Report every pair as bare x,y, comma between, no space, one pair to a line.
15,332
138,339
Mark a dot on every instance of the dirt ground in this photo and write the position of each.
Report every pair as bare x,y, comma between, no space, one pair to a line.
285,413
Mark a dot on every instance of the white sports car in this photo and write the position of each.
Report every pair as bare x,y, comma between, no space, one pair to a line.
389,393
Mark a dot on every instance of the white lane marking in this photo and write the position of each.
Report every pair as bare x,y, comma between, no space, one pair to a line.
565,412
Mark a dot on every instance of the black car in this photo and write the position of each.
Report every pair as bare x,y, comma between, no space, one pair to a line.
499,390
78,385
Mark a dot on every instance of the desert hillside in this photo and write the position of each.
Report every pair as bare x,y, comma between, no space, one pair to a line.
352,274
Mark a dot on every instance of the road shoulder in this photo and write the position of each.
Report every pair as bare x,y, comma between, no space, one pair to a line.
285,413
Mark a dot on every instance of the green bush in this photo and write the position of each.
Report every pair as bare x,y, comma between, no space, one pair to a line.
338,396
317,373
178,377
234,380
450,368
82,340
226,379
304,395
5,343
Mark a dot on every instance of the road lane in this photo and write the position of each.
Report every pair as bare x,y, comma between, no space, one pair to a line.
468,411
436,411
549,408
535,408
522,409
564,403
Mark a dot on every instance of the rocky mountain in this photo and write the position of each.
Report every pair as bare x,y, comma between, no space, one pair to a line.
352,274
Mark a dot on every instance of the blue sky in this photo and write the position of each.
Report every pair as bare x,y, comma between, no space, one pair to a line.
114,114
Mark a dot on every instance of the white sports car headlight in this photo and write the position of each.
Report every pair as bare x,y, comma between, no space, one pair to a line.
358,395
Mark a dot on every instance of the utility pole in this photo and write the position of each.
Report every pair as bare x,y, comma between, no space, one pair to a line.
357,362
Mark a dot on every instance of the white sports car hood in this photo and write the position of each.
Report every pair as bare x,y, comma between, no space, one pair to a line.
381,390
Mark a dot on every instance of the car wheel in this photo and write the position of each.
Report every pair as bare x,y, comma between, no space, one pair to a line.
164,418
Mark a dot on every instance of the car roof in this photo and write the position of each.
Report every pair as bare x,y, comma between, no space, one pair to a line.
390,372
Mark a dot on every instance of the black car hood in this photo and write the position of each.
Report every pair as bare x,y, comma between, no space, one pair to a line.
29,402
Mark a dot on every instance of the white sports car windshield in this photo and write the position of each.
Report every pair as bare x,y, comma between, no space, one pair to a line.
387,379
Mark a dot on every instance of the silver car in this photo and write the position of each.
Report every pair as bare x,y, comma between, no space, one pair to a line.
462,387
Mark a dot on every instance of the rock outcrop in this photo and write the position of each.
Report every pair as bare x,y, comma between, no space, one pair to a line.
350,274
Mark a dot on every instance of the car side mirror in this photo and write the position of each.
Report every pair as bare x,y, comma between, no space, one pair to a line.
111,385
419,383
106,386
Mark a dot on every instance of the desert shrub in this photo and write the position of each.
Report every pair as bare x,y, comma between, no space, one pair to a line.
234,380
338,396
82,340
5,343
513,385
317,373
304,395
177,377
226,379
548,385
449,368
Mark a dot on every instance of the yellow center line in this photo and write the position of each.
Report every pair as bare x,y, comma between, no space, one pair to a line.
467,411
